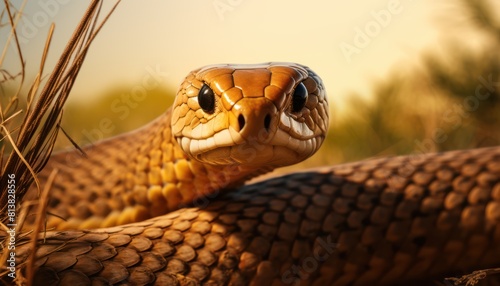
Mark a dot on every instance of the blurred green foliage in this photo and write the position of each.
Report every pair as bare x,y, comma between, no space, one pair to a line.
117,111
451,103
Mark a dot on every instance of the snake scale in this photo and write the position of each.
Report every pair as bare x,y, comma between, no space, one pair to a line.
165,205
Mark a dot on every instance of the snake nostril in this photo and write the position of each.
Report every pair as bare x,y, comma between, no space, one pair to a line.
267,122
241,121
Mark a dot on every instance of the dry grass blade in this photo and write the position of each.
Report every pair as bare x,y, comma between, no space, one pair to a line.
32,140
40,218
475,277
39,129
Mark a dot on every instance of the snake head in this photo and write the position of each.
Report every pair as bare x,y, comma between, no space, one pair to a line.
271,115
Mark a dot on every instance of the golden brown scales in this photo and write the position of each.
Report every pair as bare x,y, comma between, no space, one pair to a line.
378,221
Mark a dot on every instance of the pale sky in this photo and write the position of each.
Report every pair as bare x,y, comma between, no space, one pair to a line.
349,44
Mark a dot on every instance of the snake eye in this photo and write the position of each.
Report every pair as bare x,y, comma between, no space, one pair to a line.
206,99
299,97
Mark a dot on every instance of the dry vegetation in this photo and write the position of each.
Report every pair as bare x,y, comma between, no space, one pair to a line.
30,120
28,134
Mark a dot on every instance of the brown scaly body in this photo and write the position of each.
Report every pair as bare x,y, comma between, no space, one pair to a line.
380,221
189,154
368,223
130,178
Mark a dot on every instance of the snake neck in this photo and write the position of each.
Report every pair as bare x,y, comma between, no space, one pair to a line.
133,177
163,178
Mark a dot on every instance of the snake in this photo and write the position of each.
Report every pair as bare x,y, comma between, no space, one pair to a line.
168,204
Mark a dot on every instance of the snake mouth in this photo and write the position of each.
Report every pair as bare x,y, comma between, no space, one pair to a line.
229,147
272,140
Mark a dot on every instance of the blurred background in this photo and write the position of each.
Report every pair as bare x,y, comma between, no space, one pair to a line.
402,76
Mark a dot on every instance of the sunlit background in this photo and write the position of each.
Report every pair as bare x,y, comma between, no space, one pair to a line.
179,36
402,76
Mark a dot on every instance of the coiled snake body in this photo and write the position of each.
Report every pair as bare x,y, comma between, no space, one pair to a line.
379,221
